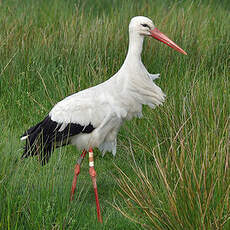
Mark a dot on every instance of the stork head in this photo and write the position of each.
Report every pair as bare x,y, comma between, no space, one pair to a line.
144,26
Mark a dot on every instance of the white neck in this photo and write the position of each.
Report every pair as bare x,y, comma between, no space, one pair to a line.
135,48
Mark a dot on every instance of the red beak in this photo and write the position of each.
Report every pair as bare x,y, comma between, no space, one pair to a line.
155,33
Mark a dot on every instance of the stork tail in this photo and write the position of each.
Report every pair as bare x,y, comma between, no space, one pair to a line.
47,135
40,140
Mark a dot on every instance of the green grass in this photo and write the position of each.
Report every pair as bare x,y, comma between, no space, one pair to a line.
177,156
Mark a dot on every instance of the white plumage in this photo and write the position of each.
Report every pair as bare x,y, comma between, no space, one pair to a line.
102,109
110,103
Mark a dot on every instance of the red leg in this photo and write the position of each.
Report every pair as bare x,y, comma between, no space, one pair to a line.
92,173
76,173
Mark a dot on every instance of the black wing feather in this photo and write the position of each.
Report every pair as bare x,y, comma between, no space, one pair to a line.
44,137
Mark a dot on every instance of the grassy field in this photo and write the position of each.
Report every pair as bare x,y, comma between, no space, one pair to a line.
172,167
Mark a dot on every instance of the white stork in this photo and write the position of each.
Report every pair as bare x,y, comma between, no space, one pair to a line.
92,117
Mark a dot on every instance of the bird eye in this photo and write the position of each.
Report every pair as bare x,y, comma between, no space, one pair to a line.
145,25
